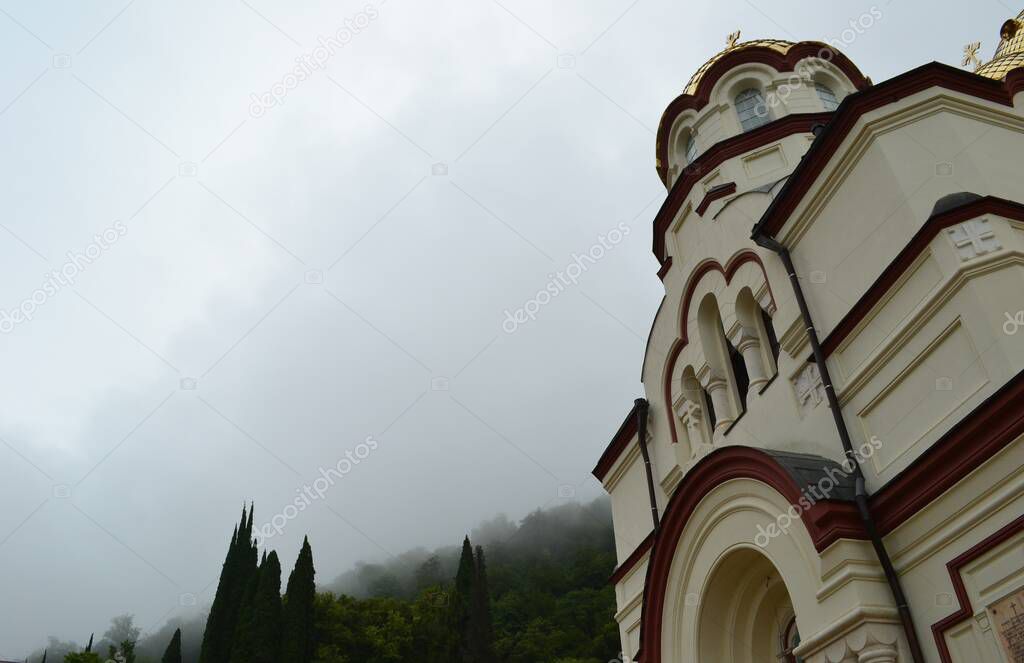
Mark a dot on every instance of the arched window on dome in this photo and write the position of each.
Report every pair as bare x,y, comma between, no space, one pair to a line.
752,110
827,96
691,148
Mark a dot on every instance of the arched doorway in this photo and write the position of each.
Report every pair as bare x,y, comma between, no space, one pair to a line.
746,614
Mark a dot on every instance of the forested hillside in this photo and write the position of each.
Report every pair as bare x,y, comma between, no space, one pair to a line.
528,592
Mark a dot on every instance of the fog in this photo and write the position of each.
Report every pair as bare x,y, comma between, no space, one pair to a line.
248,287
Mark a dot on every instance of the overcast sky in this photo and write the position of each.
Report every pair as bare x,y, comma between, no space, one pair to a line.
275,283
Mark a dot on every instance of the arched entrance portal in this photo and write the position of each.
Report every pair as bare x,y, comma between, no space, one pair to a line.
745,614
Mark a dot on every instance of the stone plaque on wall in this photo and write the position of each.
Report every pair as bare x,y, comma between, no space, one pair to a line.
1008,620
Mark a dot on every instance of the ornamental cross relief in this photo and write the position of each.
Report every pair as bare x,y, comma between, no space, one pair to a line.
810,391
973,238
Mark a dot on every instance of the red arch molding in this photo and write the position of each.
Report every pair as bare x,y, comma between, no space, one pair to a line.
838,126
825,521
780,62
731,266
989,428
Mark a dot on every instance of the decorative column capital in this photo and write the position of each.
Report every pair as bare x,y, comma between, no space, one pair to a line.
878,653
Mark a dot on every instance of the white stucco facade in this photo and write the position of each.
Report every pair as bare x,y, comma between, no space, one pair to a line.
903,212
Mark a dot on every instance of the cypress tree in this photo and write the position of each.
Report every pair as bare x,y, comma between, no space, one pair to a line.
88,647
239,566
461,607
173,652
215,644
258,634
481,625
298,610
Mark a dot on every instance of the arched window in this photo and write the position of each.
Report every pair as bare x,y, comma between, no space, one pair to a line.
739,371
691,148
724,381
827,96
752,109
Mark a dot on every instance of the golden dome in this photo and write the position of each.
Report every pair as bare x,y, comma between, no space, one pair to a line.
774,44
1010,53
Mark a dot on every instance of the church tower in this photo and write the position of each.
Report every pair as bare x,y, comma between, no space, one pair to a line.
826,465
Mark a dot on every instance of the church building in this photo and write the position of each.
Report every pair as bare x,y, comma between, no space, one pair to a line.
827,465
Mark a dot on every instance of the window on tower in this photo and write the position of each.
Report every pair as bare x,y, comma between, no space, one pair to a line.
827,96
691,148
752,110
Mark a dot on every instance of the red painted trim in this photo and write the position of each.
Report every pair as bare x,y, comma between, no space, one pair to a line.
716,192
990,427
902,262
731,266
622,569
780,62
1015,81
965,611
985,431
665,266
618,444
719,466
853,107
800,123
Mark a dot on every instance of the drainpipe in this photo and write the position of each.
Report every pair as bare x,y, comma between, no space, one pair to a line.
641,405
861,493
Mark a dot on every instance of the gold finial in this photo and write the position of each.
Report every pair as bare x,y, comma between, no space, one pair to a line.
971,55
732,39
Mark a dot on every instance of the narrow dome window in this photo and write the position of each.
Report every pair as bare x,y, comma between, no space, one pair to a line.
752,109
827,96
691,149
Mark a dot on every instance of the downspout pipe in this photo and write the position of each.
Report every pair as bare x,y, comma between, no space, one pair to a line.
861,493
641,405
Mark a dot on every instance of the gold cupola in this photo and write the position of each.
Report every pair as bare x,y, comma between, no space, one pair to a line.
1010,53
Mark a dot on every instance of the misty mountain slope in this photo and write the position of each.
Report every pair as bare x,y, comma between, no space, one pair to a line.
546,579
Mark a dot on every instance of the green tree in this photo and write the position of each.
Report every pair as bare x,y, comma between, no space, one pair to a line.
297,644
432,639
173,652
122,629
258,635
461,606
429,573
82,657
238,569
481,627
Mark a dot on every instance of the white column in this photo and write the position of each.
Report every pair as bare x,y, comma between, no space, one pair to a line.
718,391
750,347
